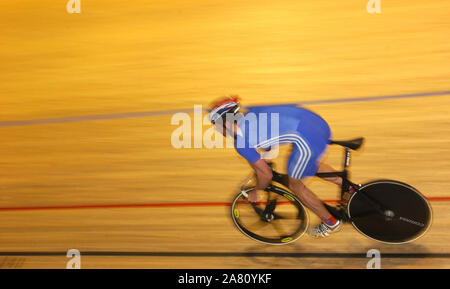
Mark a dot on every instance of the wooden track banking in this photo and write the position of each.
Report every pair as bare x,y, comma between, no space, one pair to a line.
102,176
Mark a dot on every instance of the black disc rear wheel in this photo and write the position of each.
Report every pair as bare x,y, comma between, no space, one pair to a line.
390,212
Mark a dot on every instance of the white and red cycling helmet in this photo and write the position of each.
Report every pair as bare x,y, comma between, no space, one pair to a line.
224,106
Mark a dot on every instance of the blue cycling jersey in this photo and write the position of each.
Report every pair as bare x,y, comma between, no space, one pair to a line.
266,126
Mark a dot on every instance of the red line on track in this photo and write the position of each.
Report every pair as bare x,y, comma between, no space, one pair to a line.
156,205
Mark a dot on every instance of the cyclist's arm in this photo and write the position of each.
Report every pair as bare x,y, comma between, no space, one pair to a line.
263,174
262,169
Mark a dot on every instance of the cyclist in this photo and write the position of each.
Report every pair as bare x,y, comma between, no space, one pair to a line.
308,134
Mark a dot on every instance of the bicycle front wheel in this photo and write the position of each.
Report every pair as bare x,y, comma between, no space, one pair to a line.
390,212
278,218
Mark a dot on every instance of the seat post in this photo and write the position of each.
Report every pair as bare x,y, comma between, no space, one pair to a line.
345,173
347,158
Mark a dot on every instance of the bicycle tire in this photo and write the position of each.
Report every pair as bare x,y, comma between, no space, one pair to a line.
282,240
407,213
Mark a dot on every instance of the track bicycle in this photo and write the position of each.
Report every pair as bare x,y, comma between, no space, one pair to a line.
387,211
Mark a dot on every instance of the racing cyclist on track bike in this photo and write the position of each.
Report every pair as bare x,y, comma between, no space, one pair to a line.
306,131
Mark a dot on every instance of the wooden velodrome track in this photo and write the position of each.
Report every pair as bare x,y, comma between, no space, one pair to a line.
82,168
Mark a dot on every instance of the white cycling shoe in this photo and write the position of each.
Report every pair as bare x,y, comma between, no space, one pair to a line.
323,230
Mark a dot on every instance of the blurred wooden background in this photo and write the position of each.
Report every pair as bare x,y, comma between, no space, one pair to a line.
117,58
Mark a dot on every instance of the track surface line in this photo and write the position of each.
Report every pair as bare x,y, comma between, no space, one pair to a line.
125,115
156,205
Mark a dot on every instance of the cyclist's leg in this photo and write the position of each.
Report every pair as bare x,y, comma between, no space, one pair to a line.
303,163
329,223
316,134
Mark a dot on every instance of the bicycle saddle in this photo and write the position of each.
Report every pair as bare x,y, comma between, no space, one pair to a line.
353,144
